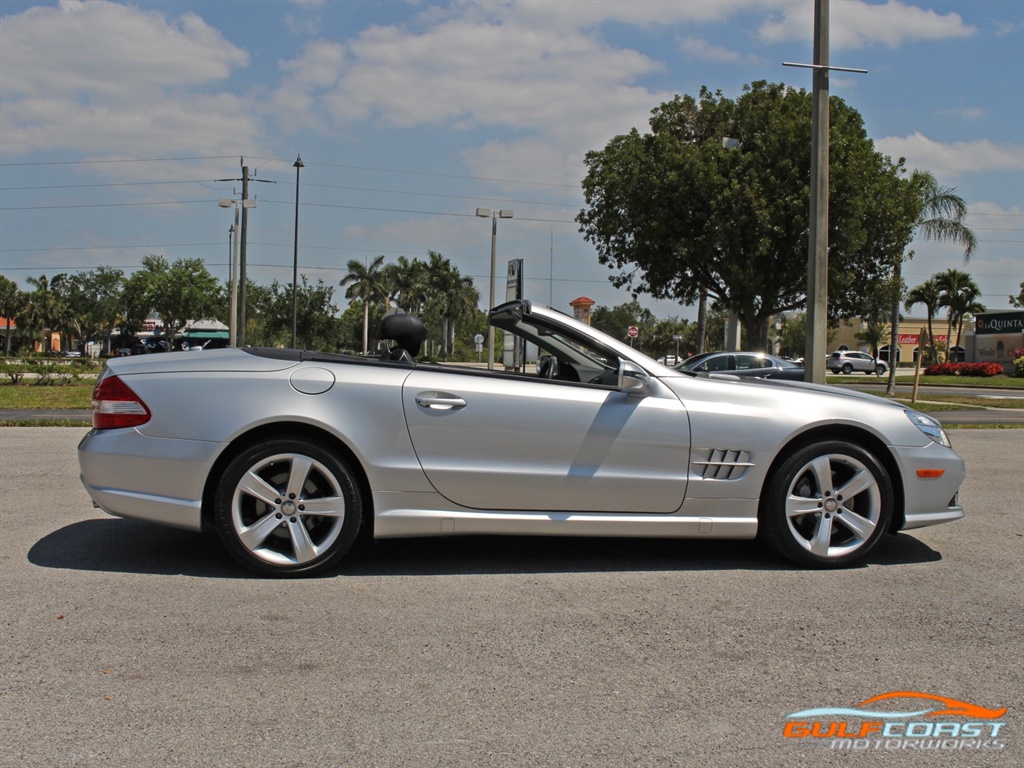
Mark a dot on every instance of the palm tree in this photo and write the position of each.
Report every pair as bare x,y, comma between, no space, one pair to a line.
959,294
12,300
407,284
929,294
43,311
452,295
365,282
941,219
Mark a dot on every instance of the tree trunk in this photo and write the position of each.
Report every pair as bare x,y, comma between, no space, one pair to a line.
366,325
894,328
757,333
444,335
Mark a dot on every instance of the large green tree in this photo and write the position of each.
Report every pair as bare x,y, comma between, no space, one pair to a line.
679,209
316,322
616,321
180,292
95,297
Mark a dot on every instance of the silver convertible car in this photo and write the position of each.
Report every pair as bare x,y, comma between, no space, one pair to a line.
289,455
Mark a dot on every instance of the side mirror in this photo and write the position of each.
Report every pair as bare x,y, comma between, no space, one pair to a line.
633,379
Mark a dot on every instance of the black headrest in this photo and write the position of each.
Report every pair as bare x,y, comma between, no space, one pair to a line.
407,331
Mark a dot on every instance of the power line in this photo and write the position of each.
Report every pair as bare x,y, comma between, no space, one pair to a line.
122,160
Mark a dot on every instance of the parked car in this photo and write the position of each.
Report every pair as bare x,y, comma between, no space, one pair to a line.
288,454
747,364
848,361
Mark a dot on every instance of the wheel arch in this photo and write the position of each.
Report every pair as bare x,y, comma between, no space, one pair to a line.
284,430
861,437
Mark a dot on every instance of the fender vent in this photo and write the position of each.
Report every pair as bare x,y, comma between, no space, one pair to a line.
725,464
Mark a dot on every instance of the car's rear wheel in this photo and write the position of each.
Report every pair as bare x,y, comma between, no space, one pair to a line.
828,505
287,507
847,369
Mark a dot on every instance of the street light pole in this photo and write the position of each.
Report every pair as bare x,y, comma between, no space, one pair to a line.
295,262
242,262
816,340
494,215
236,230
233,272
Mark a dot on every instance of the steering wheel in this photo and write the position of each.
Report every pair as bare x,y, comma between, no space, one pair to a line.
547,367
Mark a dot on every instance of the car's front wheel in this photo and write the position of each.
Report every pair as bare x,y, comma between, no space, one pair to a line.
287,507
828,505
847,369
879,369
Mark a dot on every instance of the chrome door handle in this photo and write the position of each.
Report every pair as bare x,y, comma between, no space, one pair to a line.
439,400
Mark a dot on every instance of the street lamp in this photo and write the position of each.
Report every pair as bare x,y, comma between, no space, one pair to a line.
494,215
234,285
298,165
227,202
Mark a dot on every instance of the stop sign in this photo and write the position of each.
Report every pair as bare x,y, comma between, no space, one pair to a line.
633,331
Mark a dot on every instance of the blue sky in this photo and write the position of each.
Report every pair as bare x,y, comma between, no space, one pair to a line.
116,120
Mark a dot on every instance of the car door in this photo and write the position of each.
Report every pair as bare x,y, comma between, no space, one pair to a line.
751,365
513,442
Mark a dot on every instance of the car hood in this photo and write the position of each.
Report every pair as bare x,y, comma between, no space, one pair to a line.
793,386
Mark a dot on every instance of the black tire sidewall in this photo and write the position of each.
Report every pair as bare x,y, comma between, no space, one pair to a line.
252,456
773,526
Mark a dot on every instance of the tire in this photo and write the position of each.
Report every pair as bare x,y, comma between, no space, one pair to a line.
847,369
808,514
879,369
288,507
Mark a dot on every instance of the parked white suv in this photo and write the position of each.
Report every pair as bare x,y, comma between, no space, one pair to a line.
847,361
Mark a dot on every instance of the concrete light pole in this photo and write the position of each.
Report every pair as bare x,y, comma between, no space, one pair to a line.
815,350
494,215
295,262
227,202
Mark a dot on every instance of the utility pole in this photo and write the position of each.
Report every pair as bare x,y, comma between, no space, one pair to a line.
815,350
817,258
241,268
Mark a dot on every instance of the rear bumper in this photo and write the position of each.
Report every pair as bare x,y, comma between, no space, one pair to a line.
172,472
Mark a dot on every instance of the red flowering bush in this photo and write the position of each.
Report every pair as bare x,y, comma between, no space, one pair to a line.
964,369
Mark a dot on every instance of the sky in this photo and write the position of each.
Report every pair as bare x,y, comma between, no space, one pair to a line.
122,125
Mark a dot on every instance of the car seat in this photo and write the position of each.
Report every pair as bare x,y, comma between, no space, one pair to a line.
407,331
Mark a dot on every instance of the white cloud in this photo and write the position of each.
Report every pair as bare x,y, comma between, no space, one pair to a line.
970,114
953,159
855,24
102,77
695,48
464,73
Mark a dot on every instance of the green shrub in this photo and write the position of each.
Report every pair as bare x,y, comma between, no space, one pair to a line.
15,371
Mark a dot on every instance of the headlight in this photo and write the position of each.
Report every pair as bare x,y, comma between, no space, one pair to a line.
929,426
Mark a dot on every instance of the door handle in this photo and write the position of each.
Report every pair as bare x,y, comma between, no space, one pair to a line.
439,400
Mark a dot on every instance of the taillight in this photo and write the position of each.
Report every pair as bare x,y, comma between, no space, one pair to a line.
114,405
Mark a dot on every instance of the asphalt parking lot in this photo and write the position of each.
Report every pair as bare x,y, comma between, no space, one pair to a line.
126,644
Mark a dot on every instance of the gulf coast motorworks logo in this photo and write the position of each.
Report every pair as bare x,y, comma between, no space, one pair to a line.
924,721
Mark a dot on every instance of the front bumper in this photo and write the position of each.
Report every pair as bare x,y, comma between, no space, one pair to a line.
930,500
